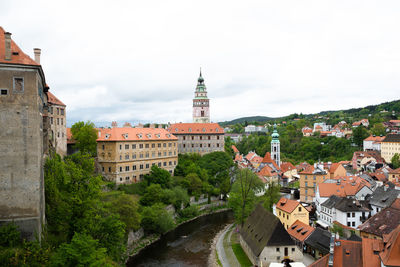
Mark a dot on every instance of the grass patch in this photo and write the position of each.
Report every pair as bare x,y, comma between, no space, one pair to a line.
218,261
241,255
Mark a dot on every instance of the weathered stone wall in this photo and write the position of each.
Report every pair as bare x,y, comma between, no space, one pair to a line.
21,150
202,144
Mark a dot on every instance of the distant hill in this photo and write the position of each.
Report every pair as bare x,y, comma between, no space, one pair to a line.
353,113
247,119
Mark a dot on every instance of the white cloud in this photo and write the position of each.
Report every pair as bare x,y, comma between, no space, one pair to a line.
122,60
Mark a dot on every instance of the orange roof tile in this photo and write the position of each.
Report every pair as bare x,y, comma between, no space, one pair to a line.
396,204
267,171
374,138
267,159
235,149
349,186
70,140
300,230
196,128
370,250
322,262
287,166
390,255
334,167
308,170
348,253
134,134
17,56
287,205
54,100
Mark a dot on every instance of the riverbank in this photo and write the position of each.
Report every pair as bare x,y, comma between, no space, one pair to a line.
147,241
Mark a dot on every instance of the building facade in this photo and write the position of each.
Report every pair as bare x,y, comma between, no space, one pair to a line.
309,179
199,138
288,211
127,154
201,103
23,144
58,124
390,146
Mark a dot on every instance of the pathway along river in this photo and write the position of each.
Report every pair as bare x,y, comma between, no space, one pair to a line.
187,245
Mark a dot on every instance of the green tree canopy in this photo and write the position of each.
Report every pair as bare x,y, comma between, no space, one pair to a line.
396,161
85,136
359,134
156,219
158,176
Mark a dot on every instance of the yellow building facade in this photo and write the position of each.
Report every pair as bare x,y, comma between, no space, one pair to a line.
127,154
288,211
309,179
390,146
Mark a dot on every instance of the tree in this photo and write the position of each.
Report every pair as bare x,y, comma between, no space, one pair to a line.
242,196
156,219
158,176
378,129
396,161
154,193
85,136
359,134
271,196
194,183
128,209
82,251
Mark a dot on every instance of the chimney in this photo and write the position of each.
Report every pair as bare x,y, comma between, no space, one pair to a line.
37,52
331,249
7,39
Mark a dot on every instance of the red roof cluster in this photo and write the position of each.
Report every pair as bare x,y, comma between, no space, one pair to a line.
287,205
345,186
300,230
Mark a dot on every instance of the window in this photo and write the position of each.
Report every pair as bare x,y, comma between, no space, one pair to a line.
184,145
170,153
159,145
141,166
126,168
120,147
140,145
299,209
217,145
277,249
120,169
201,137
126,146
62,121
18,85
192,137
58,121
353,215
217,137
141,156
292,249
147,154
286,251
120,178
147,166
315,177
153,145
147,146
4,92
209,145
165,163
159,154
348,224
109,169
165,153
133,167
127,178
102,147
133,156
133,146
348,215
169,144
184,138
62,111
51,120
170,163
159,164
165,145
127,156
102,168
153,154
353,224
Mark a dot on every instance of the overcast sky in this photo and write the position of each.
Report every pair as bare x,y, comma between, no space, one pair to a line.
139,60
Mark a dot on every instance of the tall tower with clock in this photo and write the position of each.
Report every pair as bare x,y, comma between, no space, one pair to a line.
201,103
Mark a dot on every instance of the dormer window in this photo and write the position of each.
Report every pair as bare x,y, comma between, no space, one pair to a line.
148,135
168,135
204,129
176,130
216,129
126,136
140,136
190,130
158,135
107,136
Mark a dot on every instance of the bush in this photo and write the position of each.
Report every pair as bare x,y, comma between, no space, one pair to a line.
189,212
9,235
134,188
156,219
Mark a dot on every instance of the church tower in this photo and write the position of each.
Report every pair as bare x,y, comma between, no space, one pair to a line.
276,147
201,103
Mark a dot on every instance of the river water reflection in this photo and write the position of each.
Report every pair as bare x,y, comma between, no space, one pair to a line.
188,245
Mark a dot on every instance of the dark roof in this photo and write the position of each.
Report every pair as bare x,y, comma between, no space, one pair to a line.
348,204
263,229
320,240
369,179
382,223
392,138
331,201
382,197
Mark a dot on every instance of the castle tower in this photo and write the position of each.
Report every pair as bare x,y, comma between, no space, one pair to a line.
201,103
276,147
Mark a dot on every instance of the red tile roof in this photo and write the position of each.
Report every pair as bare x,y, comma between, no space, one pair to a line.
370,250
390,255
287,166
287,205
374,138
349,186
196,128
267,171
348,253
267,159
322,262
70,140
308,170
235,149
334,167
54,100
17,56
134,134
381,223
300,230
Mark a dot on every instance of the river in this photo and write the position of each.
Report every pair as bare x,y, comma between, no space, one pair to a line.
187,245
